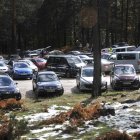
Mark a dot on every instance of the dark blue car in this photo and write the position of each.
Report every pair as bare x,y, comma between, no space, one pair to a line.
21,70
8,88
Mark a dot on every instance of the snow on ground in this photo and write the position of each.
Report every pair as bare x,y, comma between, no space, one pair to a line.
127,118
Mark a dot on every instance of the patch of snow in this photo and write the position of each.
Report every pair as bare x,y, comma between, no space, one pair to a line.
125,119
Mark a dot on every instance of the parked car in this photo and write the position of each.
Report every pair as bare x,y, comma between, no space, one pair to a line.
106,65
124,76
21,70
39,62
64,65
1,57
74,52
31,64
3,67
47,82
84,79
8,88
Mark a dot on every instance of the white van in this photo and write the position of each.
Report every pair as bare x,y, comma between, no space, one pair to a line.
130,57
119,49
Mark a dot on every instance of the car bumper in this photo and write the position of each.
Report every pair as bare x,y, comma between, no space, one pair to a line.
127,84
50,91
19,76
6,95
90,86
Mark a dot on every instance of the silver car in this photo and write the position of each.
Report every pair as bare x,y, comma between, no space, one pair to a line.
84,79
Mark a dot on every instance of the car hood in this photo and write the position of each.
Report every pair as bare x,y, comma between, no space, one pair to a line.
23,69
126,76
52,83
88,79
7,88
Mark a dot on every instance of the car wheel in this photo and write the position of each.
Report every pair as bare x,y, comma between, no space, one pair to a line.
18,97
113,86
33,88
81,90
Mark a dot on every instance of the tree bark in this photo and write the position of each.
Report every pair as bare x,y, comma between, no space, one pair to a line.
97,56
14,43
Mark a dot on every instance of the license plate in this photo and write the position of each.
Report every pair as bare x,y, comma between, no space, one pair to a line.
7,92
23,74
50,90
126,83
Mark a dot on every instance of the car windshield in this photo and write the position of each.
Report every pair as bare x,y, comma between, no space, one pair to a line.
87,73
47,78
20,65
40,60
2,64
124,70
4,81
75,60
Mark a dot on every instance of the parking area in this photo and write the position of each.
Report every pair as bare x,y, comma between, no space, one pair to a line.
69,85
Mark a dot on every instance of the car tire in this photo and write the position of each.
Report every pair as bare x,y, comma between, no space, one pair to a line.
113,86
18,97
33,89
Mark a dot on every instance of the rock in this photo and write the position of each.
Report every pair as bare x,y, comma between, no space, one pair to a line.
128,101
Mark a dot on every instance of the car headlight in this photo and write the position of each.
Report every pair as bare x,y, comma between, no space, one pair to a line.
16,90
83,81
36,69
59,86
137,78
116,78
16,71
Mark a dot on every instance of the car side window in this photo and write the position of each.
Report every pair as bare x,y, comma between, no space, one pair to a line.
63,61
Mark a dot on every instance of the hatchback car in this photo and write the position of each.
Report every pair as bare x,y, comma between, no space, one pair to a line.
31,64
8,88
84,79
47,82
124,76
21,70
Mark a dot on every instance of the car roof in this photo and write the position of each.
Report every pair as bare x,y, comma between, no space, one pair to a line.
46,72
66,56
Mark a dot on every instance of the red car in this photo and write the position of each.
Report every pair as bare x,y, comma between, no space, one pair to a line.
39,62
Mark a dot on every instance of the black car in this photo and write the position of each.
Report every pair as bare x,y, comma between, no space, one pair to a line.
64,65
124,76
47,82
8,88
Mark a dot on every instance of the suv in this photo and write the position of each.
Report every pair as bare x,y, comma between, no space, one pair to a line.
64,65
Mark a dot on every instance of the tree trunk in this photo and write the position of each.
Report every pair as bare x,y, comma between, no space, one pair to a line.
14,44
97,56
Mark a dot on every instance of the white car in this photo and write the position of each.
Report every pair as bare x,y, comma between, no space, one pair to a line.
30,64
84,79
3,67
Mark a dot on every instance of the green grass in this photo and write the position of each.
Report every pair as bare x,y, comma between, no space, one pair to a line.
34,106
